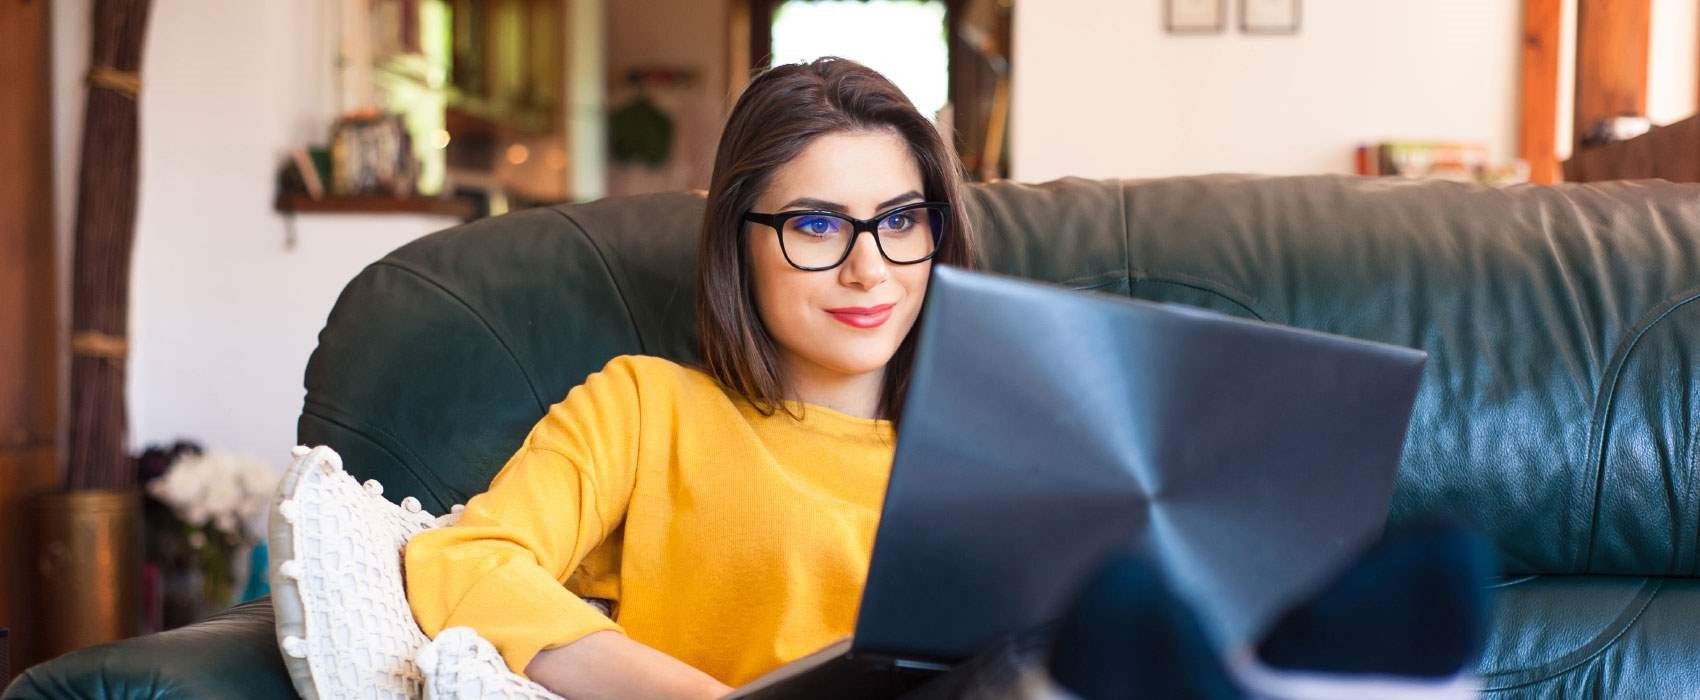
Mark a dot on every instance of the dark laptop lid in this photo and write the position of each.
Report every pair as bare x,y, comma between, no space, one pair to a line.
1044,427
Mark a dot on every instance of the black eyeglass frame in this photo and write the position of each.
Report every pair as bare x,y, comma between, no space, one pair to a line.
776,221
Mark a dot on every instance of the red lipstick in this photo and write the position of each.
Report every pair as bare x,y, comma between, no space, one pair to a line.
862,316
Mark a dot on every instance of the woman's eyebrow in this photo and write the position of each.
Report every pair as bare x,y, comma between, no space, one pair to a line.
899,199
811,203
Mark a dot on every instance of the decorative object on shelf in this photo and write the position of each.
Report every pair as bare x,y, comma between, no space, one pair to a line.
304,184
372,154
1195,16
640,132
1270,16
1620,128
212,504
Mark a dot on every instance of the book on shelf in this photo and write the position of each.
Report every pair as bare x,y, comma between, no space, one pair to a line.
1462,161
312,180
1450,160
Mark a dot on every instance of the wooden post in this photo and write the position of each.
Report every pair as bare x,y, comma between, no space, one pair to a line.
1611,60
738,47
30,350
1537,131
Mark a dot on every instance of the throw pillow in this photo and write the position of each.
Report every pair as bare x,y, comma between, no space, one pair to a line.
343,622
460,665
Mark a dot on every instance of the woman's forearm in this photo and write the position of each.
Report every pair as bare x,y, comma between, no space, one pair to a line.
610,666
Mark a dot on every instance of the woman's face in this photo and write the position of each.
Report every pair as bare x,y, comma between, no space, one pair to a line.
848,320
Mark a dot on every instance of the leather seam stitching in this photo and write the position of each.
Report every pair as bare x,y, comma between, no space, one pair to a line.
1606,401
1227,293
530,383
619,289
1693,466
1657,584
324,412
1127,236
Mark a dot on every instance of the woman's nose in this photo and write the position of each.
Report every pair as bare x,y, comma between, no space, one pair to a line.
865,268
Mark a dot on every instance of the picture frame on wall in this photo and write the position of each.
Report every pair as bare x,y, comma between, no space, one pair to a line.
1195,16
1270,16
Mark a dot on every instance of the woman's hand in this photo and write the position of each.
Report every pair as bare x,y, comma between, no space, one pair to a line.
608,665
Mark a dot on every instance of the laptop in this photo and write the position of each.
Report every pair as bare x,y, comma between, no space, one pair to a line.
1045,428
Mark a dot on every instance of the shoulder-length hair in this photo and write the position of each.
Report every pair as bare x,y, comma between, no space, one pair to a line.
781,112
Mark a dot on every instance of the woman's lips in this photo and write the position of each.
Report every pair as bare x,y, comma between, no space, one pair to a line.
862,316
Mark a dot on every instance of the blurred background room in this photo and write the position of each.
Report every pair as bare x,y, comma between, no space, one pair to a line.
152,343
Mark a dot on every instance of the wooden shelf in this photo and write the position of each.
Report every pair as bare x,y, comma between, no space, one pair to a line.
374,204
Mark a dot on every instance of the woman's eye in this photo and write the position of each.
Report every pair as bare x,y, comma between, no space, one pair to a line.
817,225
897,222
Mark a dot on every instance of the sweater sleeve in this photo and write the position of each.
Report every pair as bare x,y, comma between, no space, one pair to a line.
501,568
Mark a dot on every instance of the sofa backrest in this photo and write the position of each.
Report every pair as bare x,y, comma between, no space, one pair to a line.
1558,410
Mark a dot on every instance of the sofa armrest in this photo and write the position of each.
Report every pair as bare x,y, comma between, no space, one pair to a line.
231,654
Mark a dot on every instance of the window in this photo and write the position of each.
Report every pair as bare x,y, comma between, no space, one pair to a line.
903,39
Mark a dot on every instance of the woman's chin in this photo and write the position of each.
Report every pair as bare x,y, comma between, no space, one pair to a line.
856,359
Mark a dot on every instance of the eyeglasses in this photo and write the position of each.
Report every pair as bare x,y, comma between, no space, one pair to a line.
821,240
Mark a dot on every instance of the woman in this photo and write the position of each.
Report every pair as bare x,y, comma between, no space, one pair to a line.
727,512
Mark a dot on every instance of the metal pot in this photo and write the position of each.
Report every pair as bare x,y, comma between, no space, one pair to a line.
88,568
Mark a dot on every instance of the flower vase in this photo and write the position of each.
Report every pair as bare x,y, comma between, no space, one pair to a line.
218,576
185,595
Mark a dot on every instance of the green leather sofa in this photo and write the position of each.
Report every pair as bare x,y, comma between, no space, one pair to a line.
1558,412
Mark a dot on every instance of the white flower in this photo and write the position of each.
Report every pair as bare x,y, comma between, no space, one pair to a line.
225,488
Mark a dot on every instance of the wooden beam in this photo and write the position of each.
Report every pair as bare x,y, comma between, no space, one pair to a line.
761,32
1537,128
738,47
29,309
28,312
1611,60
27,472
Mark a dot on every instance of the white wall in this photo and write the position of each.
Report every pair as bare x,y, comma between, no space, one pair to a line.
1673,60
1101,90
223,315
70,20
1565,140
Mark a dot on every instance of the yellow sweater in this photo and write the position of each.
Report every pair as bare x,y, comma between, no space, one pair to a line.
732,541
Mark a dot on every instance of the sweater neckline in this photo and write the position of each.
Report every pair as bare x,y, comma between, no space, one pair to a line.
816,413
816,418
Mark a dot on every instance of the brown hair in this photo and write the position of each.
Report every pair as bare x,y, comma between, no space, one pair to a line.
780,112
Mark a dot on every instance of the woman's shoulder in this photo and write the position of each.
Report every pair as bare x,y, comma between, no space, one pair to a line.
651,367
650,374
